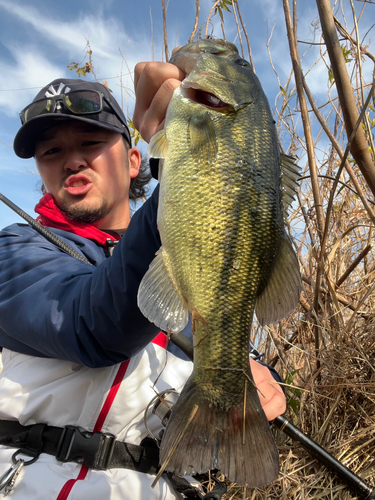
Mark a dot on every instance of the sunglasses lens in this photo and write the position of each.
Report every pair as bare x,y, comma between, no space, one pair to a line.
82,102
79,102
38,108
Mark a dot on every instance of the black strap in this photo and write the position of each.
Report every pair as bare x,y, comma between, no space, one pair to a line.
98,450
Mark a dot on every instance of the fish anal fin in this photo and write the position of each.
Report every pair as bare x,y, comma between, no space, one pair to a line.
281,295
159,300
239,443
203,140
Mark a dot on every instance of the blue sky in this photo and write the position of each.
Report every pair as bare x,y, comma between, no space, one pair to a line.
39,40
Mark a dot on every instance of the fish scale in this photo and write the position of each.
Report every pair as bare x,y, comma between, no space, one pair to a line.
225,253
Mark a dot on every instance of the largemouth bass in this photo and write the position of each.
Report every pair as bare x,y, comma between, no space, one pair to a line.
224,253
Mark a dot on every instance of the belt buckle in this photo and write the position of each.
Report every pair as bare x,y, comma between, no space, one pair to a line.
94,449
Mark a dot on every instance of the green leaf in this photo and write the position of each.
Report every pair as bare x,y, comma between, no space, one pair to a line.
292,394
135,135
330,76
72,66
224,4
346,54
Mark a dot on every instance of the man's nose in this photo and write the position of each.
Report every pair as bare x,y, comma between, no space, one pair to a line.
75,161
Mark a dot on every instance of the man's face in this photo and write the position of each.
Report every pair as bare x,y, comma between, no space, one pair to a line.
87,170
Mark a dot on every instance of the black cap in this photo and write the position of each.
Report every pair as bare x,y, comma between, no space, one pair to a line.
27,136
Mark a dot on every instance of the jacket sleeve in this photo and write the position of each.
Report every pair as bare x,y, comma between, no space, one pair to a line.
53,305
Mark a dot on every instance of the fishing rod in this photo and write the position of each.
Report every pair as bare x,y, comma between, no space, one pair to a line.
43,230
182,342
354,482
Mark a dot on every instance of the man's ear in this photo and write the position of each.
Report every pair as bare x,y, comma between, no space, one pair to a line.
134,157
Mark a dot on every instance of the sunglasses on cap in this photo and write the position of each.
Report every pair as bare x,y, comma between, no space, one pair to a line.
77,102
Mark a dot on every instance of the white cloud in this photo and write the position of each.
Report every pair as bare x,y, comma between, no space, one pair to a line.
69,34
30,70
66,40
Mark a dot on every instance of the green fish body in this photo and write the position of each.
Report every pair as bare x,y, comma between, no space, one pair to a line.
224,254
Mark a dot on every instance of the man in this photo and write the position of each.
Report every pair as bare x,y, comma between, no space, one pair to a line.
76,349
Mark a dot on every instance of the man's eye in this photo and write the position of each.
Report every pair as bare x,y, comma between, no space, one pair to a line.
51,151
90,143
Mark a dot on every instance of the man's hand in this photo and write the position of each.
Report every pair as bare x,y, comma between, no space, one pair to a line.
154,83
270,393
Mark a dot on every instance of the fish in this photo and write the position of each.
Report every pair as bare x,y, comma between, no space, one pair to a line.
224,192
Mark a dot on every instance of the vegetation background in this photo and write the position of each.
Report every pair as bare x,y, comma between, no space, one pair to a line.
325,350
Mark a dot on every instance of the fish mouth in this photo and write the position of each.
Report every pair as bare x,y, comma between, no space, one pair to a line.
201,96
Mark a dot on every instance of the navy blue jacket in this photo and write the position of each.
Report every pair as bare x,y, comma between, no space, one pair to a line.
53,305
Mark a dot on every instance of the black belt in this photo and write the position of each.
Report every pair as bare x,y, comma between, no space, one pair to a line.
98,450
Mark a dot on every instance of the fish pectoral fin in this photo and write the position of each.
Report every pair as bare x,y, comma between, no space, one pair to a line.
203,140
159,300
281,294
158,149
158,145
290,173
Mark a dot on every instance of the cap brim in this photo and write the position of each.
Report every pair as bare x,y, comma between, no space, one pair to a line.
26,138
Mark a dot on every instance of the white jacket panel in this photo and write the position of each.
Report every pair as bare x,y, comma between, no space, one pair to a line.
59,393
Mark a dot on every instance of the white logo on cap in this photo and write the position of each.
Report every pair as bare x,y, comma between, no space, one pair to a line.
61,90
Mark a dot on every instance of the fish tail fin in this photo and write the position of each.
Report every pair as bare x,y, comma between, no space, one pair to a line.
201,436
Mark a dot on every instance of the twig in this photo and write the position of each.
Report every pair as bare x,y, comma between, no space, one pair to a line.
196,22
165,41
246,35
337,147
305,119
238,26
209,16
152,36
354,264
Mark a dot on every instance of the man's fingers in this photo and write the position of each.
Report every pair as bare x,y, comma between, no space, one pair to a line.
154,84
270,393
272,399
154,116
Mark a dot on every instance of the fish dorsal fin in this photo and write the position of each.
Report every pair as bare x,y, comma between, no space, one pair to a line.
281,294
159,300
203,140
290,173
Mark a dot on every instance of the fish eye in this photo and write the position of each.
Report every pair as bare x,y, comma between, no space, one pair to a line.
242,62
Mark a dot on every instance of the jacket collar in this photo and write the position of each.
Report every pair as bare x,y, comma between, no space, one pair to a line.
50,215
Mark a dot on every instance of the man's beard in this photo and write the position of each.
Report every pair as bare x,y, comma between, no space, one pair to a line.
85,214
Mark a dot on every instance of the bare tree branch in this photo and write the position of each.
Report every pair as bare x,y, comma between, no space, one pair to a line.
336,145
193,33
359,147
246,36
165,41
346,35
305,118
